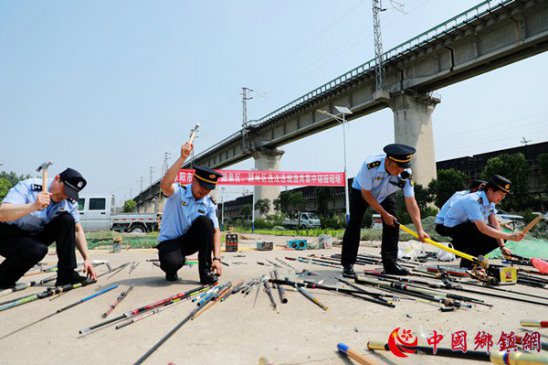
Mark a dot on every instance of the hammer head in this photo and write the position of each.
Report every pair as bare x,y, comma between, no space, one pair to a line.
44,166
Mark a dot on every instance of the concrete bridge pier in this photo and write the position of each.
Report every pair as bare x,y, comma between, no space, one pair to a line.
267,159
413,127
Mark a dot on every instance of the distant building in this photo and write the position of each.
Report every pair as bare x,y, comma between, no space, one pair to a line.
473,165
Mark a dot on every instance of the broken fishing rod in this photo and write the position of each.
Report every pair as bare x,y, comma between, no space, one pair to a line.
377,298
143,309
414,283
89,297
172,331
118,300
417,292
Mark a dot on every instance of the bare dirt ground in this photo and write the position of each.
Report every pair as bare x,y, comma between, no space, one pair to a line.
236,331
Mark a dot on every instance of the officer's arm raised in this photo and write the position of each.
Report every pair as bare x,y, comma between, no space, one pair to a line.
167,181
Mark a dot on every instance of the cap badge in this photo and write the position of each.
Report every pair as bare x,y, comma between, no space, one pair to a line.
211,176
507,187
80,184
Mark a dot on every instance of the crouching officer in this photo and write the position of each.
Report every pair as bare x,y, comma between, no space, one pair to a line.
375,185
189,222
472,222
475,185
31,220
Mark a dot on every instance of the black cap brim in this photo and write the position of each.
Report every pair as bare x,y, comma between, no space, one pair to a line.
404,164
71,192
205,184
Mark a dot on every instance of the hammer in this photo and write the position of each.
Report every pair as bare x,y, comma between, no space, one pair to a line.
193,133
44,168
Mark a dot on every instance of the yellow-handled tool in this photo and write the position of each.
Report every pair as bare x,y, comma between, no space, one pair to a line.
481,260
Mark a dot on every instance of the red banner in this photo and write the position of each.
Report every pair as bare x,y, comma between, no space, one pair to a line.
267,177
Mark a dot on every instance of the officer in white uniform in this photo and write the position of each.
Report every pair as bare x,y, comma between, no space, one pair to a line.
31,220
472,224
189,222
379,178
475,185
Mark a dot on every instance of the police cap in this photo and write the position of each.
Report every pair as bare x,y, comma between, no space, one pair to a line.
476,183
400,154
73,182
206,177
498,182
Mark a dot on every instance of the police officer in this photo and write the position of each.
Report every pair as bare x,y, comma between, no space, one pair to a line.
189,222
475,185
472,224
375,185
31,220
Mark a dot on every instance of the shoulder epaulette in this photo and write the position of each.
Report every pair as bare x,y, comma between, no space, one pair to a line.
373,164
212,199
36,187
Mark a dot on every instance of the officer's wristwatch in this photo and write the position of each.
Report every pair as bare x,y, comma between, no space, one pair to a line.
217,258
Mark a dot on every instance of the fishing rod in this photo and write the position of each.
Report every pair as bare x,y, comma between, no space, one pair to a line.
533,323
146,308
152,312
417,292
268,291
286,264
359,358
83,300
118,300
222,294
495,357
310,297
281,291
118,269
45,294
170,333
377,298
149,314
384,277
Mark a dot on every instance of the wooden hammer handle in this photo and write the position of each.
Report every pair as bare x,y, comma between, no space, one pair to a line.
532,224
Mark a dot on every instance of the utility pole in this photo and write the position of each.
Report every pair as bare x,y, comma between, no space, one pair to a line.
379,72
165,165
246,145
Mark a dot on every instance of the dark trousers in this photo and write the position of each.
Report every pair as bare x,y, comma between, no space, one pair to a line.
468,239
351,238
23,250
442,230
199,237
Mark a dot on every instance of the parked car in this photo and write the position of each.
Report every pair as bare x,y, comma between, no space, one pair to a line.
302,220
97,214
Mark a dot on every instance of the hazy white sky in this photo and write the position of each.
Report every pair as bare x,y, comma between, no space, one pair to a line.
107,87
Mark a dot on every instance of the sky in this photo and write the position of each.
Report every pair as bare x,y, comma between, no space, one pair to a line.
110,87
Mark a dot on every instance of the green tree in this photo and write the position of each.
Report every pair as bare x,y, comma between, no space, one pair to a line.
515,168
263,206
323,196
245,211
130,206
423,198
297,201
448,182
9,180
5,186
277,205
283,202
543,163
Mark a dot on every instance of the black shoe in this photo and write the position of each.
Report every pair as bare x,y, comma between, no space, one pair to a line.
398,271
348,272
69,278
208,278
172,277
